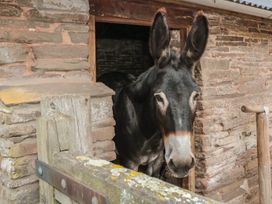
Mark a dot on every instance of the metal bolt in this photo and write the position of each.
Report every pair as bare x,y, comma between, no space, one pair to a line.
94,200
40,171
63,183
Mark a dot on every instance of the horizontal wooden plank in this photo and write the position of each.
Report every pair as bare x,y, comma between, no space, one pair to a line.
132,12
68,185
122,185
32,93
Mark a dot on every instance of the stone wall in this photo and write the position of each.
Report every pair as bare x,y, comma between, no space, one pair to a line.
43,38
235,71
40,40
18,153
18,129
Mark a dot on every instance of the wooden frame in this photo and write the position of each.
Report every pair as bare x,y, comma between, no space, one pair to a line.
134,12
137,12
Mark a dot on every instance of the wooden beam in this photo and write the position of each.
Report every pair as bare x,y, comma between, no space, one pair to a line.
46,191
191,177
63,126
189,181
92,48
138,13
121,185
118,20
70,122
253,109
263,151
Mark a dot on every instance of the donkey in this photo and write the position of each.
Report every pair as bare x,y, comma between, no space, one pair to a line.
154,112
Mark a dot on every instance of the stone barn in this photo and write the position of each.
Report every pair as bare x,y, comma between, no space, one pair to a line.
62,46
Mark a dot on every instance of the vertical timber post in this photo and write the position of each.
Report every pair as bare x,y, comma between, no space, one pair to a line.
63,126
46,191
263,151
191,177
189,182
92,47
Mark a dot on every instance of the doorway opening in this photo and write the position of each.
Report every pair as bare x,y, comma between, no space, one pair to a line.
122,48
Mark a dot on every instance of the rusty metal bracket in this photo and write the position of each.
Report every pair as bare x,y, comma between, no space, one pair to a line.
65,184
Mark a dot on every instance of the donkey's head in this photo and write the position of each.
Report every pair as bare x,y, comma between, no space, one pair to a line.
174,90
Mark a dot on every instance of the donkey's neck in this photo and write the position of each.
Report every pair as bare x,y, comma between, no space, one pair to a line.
140,88
140,96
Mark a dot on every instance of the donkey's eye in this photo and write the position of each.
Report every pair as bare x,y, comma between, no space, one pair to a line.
158,98
193,100
162,101
196,96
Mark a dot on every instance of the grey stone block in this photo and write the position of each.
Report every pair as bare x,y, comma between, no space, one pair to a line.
64,5
28,194
12,70
11,53
10,10
60,51
79,37
17,129
73,27
61,65
33,37
57,16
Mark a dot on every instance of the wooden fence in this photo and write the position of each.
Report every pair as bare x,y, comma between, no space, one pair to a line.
263,151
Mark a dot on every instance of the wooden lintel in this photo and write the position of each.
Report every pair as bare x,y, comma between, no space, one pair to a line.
137,13
117,20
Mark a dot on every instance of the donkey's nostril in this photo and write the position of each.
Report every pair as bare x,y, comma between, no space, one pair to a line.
193,162
186,167
171,163
189,166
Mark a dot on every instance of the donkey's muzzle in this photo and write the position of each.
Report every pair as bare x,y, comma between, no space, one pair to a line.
178,153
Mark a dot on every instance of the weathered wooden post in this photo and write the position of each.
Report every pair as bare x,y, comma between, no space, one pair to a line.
263,151
191,178
62,127
189,181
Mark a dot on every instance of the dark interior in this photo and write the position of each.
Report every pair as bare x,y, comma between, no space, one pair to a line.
122,48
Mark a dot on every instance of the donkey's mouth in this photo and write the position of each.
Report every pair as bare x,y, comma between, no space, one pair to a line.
170,173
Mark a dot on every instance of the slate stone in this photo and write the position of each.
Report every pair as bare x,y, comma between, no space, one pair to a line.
10,10
61,65
60,51
11,53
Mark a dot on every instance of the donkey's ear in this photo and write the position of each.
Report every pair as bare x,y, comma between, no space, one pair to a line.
159,39
196,40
